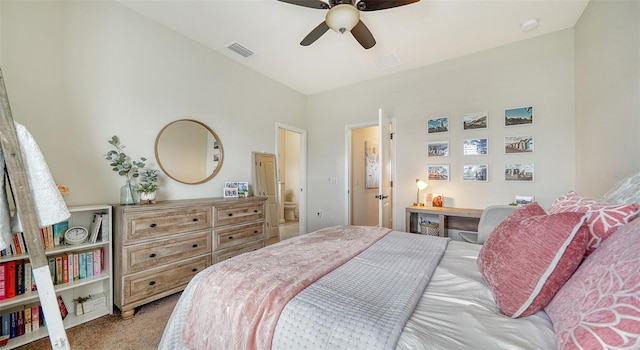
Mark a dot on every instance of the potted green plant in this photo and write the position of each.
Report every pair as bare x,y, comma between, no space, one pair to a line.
148,186
124,166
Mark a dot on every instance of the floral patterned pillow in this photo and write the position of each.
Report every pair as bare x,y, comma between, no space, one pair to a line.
599,306
604,217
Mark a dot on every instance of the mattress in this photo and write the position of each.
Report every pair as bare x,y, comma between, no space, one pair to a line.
456,311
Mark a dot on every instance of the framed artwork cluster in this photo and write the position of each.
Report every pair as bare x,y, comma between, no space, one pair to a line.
236,189
517,143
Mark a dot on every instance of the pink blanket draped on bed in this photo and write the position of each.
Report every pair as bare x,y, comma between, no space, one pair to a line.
251,290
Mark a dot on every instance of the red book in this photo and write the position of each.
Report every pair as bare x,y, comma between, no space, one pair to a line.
10,279
65,269
3,288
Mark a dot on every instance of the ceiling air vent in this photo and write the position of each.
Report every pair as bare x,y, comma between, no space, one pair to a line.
240,50
386,61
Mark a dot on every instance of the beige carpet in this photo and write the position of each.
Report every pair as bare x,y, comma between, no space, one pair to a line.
141,332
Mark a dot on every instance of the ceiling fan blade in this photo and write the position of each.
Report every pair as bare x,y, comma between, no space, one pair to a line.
315,34
375,5
314,4
363,35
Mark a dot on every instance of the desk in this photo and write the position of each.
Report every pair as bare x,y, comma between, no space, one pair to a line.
454,218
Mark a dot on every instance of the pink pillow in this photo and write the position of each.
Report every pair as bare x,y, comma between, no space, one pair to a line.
599,306
604,217
529,256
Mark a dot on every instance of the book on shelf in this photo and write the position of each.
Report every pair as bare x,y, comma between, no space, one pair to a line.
89,264
3,288
27,319
82,261
59,278
35,317
94,228
97,261
58,232
20,277
104,231
20,322
62,307
49,230
28,277
6,325
10,279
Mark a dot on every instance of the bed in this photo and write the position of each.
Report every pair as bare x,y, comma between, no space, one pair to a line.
574,282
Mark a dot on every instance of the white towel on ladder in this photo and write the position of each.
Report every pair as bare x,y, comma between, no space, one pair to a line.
49,205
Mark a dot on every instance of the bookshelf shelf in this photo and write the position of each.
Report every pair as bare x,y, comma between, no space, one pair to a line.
70,291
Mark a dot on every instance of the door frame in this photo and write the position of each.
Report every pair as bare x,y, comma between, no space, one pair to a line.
347,166
302,206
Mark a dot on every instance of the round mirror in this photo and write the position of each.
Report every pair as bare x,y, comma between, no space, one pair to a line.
188,151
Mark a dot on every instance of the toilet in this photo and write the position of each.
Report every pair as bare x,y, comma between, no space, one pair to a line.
290,211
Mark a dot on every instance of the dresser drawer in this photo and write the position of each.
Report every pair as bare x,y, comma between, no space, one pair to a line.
236,212
158,223
144,256
145,284
230,253
241,234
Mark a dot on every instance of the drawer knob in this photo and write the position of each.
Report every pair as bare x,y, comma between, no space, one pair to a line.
256,231
194,246
152,255
152,283
194,270
195,219
230,214
255,210
153,225
230,237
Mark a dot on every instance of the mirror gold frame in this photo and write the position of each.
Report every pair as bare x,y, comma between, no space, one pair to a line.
188,151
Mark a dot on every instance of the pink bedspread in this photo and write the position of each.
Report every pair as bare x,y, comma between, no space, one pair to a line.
251,290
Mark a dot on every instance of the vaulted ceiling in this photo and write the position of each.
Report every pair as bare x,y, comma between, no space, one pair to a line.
408,37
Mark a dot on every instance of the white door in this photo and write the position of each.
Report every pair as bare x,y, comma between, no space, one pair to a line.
385,208
266,186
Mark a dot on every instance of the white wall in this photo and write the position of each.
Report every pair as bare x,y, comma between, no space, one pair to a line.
79,72
607,95
537,72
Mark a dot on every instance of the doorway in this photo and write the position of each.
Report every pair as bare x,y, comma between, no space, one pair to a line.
363,184
291,153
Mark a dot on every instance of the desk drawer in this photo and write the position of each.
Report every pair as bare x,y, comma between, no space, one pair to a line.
154,224
145,284
144,256
232,236
227,213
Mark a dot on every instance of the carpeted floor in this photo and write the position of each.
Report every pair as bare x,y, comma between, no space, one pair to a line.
141,332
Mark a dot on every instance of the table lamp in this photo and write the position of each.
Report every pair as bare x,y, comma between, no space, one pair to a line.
421,186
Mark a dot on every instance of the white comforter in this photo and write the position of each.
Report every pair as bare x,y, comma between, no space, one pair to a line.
456,311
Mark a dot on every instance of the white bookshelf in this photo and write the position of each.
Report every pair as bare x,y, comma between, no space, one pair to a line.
102,283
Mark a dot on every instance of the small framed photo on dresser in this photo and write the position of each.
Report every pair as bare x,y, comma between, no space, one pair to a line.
230,190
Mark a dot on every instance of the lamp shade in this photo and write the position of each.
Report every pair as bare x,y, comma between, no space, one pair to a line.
342,18
421,184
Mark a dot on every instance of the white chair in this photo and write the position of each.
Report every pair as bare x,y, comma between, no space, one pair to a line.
490,218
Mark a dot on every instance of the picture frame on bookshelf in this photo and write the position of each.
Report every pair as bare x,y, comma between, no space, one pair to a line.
518,144
518,116
439,172
437,125
475,172
475,120
438,149
519,172
475,147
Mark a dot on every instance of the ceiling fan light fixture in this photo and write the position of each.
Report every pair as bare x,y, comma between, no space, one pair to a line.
342,18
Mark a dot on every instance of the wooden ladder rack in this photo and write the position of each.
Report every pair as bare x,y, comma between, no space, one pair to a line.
25,206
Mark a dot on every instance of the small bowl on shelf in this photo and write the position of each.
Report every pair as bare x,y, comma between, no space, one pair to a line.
4,340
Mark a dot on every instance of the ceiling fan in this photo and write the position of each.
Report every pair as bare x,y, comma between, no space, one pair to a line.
344,16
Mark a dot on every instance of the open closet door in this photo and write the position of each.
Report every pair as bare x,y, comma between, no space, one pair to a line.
385,207
265,182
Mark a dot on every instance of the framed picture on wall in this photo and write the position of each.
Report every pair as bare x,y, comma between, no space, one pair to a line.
518,116
438,125
518,144
475,120
475,147
371,165
438,149
475,172
519,172
438,172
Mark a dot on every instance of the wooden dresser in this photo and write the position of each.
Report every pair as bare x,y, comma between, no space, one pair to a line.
158,248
